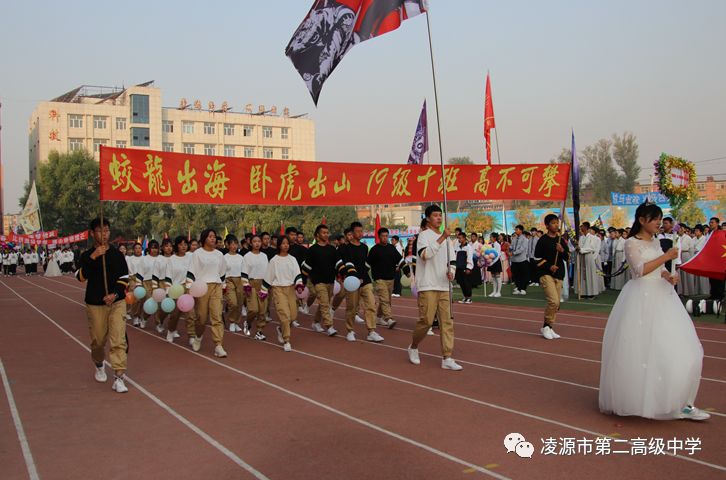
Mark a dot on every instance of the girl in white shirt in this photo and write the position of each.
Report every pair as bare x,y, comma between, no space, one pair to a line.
134,264
208,266
233,294
253,272
145,274
283,277
176,274
160,277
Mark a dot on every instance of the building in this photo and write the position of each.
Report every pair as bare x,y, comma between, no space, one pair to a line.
709,189
88,117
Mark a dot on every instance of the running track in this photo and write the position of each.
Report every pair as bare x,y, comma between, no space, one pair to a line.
330,409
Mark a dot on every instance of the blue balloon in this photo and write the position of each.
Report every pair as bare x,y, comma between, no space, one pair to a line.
167,305
139,293
351,284
150,306
490,251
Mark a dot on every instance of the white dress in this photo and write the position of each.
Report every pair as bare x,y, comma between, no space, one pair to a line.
52,270
651,355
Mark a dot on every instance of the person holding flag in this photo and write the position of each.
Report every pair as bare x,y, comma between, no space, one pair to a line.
550,252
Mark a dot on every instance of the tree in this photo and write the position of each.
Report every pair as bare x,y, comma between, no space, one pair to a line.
460,161
481,222
690,214
625,154
604,177
67,187
525,217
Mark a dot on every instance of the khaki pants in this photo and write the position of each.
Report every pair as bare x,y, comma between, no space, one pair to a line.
285,303
553,290
323,292
107,323
352,300
233,297
430,304
210,307
384,289
256,307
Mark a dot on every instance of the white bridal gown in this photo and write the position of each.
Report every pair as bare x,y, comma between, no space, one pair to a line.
52,270
651,355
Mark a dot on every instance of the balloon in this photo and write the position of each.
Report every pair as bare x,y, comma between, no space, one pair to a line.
414,290
150,306
130,298
158,295
167,305
351,284
176,291
302,294
185,303
139,293
405,281
198,289
336,287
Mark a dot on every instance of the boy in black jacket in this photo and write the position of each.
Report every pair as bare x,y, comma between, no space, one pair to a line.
551,255
385,262
105,302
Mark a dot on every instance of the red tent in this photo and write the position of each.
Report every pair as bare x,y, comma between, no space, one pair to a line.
711,261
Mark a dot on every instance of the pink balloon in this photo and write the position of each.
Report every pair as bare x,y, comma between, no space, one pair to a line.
198,289
303,294
185,303
158,295
336,287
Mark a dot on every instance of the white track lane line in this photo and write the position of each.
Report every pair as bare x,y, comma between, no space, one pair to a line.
403,381
360,421
24,445
187,423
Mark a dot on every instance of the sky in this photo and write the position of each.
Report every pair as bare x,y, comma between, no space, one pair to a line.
656,69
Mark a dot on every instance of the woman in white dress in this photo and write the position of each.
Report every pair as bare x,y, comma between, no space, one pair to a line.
53,269
651,355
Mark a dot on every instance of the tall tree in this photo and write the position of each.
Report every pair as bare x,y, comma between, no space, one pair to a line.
525,217
625,154
604,178
690,214
481,223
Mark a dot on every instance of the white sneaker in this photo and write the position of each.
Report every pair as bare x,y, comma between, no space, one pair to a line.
496,295
244,311
100,374
317,328
692,413
142,324
333,332
413,356
279,335
287,347
547,333
176,334
196,344
305,309
119,386
373,336
380,322
170,336
430,332
516,291
160,328
523,292
219,352
562,300
296,324
137,321
554,334
395,295
391,323
127,317
350,337
450,364
359,320
246,329
260,336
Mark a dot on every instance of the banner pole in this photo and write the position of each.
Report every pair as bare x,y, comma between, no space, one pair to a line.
441,157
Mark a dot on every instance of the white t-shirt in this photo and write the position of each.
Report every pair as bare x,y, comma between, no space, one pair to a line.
282,272
178,268
433,262
209,267
255,266
146,267
235,264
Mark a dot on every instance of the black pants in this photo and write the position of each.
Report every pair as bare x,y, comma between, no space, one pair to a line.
607,269
520,271
462,278
397,283
717,287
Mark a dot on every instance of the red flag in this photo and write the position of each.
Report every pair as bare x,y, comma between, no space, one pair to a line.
488,118
711,260
324,221
254,229
282,228
378,226
189,235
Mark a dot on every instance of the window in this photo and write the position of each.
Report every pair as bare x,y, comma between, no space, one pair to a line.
284,133
188,127
139,109
167,147
75,121
120,143
286,154
99,122
249,152
189,148
209,149
267,132
248,130
229,129
97,142
120,123
139,137
167,126
208,128
75,144
267,152
229,150
701,186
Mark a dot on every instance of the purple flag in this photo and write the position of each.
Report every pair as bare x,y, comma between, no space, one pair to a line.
420,139
575,186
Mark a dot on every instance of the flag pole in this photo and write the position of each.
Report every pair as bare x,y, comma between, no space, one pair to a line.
103,242
441,157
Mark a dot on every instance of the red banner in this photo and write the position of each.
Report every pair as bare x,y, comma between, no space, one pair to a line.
33,241
135,175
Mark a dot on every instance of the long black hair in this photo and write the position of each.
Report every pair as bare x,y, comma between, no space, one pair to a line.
648,211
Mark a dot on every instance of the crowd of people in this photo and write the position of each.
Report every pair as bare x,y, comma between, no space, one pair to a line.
60,260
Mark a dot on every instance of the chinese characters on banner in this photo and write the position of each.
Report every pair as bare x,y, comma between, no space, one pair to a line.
637,198
44,239
135,175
